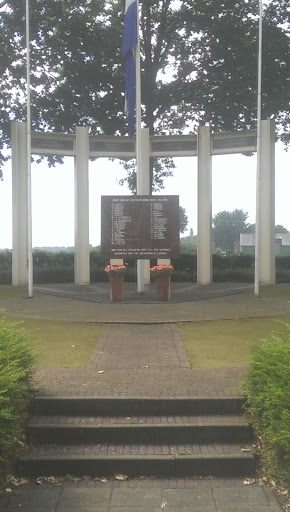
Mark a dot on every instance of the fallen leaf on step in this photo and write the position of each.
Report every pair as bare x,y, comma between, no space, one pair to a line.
39,480
8,490
163,504
119,476
249,481
101,372
145,366
245,450
103,480
18,481
24,481
73,479
51,479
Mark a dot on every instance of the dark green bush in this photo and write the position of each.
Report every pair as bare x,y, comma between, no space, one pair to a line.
50,259
236,275
234,261
5,275
6,258
180,276
53,274
16,360
282,275
58,267
283,262
268,402
185,263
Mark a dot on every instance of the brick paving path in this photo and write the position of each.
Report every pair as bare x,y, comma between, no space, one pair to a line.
139,361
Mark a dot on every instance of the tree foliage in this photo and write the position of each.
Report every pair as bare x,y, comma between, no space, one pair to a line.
183,219
199,64
280,229
227,227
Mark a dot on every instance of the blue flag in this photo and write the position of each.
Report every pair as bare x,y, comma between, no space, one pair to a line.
129,45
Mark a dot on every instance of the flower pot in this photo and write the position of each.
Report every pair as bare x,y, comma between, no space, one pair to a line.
163,287
117,288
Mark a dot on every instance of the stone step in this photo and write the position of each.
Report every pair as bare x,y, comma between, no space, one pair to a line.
112,406
153,430
135,460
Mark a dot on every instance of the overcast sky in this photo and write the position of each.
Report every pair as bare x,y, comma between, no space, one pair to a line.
234,186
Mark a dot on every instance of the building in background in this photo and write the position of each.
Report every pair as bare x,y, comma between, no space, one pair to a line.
282,243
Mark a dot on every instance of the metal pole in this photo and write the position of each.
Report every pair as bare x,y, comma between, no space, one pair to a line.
140,263
258,180
28,125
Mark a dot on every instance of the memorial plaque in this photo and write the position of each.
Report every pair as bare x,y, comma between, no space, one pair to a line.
140,227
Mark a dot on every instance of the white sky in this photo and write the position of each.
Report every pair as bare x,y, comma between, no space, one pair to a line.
234,186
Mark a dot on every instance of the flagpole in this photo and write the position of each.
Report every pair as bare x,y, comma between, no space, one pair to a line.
140,263
258,179
28,142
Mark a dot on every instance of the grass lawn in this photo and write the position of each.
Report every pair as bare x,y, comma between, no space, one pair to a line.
227,342
12,292
62,344
282,291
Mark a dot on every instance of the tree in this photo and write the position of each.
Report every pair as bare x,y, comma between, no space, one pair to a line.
183,219
280,229
225,67
198,65
227,227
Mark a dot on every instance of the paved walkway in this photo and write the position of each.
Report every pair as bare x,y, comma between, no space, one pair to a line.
137,360
190,302
142,357
143,495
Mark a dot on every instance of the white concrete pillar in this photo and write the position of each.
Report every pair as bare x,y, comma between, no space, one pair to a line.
143,188
267,204
19,204
82,252
204,231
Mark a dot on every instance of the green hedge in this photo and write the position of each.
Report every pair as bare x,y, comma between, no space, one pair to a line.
58,267
16,362
268,402
53,274
283,262
233,275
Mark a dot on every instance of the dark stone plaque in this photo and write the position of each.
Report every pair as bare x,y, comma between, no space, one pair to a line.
140,227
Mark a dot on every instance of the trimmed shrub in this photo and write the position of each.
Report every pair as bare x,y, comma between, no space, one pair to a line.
283,262
58,267
234,261
233,275
6,258
180,276
5,275
268,402
53,274
282,275
185,263
16,361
